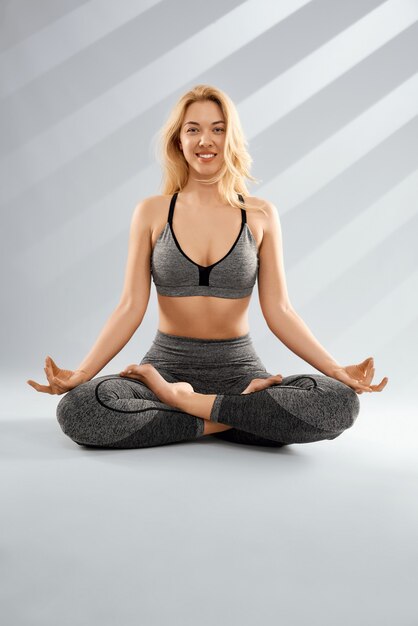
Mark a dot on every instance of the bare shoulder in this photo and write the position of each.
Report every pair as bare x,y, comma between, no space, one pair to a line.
265,211
149,210
151,204
262,205
151,213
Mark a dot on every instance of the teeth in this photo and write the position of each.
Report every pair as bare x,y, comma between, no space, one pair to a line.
206,156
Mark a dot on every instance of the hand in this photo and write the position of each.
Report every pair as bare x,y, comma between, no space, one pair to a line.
60,381
359,377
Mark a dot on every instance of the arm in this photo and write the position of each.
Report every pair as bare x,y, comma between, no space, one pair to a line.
290,328
281,317
115,334
128,315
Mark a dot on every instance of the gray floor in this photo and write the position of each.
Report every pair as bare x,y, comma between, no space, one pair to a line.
209,532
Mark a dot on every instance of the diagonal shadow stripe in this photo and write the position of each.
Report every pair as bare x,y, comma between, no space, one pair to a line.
99,67
108,113
358,89
353,289
325,64
347,245
22,18
386,319
102,158
335,205
397,360
366,282
346,146
74,31
317,170
143,81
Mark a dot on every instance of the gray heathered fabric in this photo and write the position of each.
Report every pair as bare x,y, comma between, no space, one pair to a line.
115,412
301,409
232,276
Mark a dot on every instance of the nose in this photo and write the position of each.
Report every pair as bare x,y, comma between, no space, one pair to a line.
205,142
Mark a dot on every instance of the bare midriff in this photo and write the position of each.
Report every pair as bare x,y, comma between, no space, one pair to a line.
204,317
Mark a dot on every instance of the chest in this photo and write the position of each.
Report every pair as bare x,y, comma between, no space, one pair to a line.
206,239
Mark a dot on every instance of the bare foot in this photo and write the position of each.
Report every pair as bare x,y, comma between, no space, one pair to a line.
170,393
257,384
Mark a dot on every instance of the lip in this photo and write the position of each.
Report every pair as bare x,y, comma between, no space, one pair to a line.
202,159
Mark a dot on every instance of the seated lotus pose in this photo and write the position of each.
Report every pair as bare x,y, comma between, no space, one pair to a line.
205,242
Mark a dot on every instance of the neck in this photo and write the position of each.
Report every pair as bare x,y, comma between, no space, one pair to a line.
200,194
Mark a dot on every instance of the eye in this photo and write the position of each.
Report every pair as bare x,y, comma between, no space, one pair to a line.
219,128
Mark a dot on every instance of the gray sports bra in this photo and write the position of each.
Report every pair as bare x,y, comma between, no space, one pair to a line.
233,276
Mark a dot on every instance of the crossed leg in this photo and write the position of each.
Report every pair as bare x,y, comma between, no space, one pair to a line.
304,408
124,412
114,412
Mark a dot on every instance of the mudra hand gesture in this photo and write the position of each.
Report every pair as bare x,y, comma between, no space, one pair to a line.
60,381
359,377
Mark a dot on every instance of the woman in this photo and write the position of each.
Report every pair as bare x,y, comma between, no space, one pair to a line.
204,245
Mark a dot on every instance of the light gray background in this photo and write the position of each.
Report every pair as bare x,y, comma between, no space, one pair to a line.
209,532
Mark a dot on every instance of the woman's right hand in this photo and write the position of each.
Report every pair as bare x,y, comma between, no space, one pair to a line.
60,381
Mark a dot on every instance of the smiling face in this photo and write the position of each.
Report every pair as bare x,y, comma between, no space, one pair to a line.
203,133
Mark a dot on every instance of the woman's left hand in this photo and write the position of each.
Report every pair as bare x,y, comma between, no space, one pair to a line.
359,377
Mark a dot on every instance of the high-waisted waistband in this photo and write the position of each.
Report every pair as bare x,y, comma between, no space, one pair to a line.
175,340
192,350
210,365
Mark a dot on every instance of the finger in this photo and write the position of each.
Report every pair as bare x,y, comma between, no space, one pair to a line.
49,374
50,361
370,376
366,365
381,385
38,387
367,361
49,364
54,382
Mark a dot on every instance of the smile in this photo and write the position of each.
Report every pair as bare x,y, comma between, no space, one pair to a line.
208,156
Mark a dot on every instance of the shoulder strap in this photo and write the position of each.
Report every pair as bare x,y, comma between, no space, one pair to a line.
243,211
171,210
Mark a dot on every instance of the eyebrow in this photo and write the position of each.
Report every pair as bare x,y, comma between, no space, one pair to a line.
197,123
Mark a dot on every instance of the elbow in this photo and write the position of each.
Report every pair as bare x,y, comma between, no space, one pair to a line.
135,310
274,322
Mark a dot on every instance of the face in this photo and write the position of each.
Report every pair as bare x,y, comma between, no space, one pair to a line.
203,132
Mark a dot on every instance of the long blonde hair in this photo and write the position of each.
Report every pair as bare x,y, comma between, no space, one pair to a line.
237,160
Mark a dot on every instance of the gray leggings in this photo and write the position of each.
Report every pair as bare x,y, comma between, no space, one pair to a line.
119,412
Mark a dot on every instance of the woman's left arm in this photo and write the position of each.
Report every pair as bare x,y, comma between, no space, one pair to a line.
281,317
290,328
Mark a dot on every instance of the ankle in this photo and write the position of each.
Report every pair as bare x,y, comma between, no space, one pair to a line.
181,397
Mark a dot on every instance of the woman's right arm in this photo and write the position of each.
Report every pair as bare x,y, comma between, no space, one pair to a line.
129,313
117,331
124,320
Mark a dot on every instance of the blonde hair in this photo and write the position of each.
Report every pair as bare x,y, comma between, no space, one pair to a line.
237,160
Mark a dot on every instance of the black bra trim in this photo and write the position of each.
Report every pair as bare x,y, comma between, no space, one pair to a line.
173,204
170,222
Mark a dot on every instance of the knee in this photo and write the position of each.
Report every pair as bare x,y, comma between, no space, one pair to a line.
74,408
79,410
87,413
343,402
352,403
